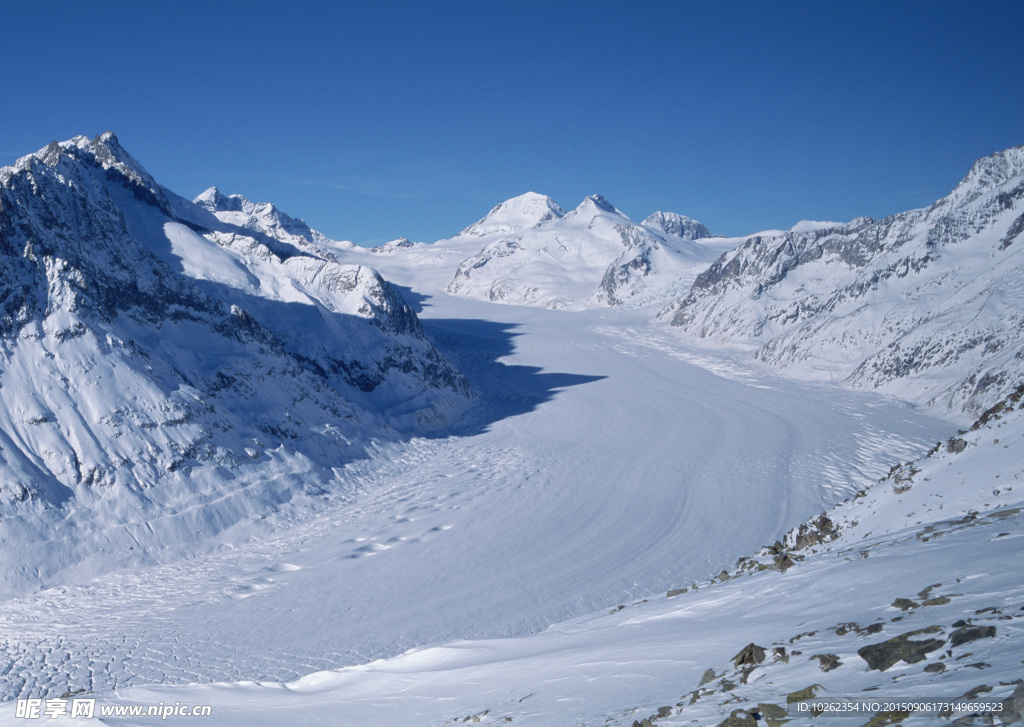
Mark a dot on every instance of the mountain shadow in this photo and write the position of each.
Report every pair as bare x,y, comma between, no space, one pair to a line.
476,346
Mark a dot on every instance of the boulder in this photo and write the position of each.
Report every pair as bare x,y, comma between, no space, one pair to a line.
883,655
828,662
971,633
751,654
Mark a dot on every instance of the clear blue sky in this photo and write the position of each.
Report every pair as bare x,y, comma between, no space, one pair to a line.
380,119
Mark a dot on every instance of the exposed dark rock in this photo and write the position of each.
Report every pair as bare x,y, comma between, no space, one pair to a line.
968,696
902,476
956,445
738,718
751,654
772,712
827,662
883,655
1013,706
966,634
813,532
800,636
886,718
709,676
774,716
784,562
802,695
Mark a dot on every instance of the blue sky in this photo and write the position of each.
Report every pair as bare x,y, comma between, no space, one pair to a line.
377,120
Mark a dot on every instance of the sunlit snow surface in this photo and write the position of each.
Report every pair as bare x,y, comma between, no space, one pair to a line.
617,463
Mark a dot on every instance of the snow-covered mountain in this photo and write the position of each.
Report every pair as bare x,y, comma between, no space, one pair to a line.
167,373
264,218
534,253
516,214
926,304
677,225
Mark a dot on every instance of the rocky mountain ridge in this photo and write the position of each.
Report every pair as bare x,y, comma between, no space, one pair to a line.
678,225
924,304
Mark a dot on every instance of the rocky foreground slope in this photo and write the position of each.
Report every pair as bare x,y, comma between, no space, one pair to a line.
926,305
166,373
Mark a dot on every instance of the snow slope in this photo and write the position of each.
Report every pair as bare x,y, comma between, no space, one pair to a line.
925,304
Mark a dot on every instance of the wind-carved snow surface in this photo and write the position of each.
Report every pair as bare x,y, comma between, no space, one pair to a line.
594,256
167,376
926,305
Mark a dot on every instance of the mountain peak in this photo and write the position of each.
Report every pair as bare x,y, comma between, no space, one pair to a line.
985,174
512,215
675,224
103,152
601,203
216,201
596,204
